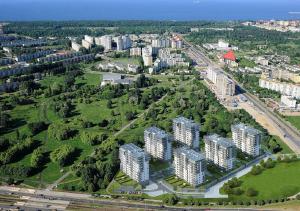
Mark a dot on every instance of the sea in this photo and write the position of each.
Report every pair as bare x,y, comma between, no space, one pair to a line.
175,10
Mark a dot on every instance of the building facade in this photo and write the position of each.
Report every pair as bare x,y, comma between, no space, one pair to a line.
186,131
158,143
134,162
246,138
189,165
219,150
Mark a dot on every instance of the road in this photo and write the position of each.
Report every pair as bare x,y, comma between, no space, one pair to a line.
289,134
82,199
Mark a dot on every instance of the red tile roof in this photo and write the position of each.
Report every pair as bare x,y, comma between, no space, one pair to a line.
229,56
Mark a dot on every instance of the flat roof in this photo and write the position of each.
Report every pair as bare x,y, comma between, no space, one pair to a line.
190,154
246,128
135,150
185,121
225,142
157,132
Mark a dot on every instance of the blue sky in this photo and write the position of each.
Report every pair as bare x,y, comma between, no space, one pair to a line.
147,9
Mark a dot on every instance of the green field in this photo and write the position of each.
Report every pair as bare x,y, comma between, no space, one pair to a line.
43,110
276,183
294,120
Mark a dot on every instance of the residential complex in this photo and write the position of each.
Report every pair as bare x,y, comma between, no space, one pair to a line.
281,87
186,131
134,162
189,165
219,150
147,56
158,143
246,138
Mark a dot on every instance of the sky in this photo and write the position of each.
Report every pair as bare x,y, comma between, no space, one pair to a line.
148,9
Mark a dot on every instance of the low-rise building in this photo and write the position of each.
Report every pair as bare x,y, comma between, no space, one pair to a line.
158,143
246,138
230,59
189,165
288,102
115,79
134,162
219,150
186,131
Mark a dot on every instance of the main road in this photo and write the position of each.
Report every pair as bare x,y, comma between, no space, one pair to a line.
289,134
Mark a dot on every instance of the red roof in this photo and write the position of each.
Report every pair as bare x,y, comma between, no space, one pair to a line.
229,56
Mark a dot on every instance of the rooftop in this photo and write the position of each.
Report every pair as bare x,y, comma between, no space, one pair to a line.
157,132
135,150
246,128
190,154
185,121
230,56
225,142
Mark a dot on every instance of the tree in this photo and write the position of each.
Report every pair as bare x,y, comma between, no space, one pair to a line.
109,104
63,155
171,199
37,158
36,127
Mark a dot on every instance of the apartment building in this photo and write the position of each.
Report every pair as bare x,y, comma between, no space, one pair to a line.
89,39
225,86
126,42
75,46
186,131
219,150
58,57
147,56
158,143
246,138
162,42
284,88
119,41
134,162
31,56
136,51
189,165
6,61
288,102
86,44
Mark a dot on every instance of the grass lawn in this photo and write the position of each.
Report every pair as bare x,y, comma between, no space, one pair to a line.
120,180
276,183
158,165
294,120
285,148
177,182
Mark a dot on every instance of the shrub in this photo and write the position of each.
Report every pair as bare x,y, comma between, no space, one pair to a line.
298,197
62,155
256,169
61,131
36,127
251,192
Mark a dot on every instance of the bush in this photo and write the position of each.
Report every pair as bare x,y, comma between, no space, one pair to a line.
62,155
36,127
256,169
61,131
251,192
298,197
37,158
90,139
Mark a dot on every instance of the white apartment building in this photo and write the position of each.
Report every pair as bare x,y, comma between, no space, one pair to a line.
186,131
288,102
158,143
219,150
246,138
105,41
86,44
126,42
284,88
134,162
225,86
189,165
147,57
119,41
75,46
136,51
88,38
161,42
